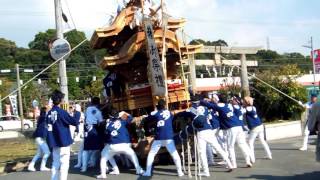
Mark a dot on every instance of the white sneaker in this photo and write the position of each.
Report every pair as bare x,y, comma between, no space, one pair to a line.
146,174
101,176
303,148
114,172
44,169
228,167
180,174
206,174
31,169
269,157
139,171
77,166
222,163
249,165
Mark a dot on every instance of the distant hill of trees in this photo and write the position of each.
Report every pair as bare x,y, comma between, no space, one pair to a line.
82,63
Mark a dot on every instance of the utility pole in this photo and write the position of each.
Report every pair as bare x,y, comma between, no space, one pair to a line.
268,43
0,105
62,63
314,67
0,100
244,76
19,96
310,46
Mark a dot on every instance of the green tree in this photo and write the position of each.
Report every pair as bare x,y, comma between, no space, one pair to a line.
273,105
42,40
207,43
81,63
267,55
219,42
31,57
8,50
95,88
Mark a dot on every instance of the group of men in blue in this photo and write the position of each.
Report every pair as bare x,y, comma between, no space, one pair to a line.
219,124
209,119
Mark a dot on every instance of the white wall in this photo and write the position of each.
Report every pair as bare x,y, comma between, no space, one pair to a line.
283,130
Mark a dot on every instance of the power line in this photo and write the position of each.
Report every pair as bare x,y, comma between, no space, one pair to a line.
66,1
45,69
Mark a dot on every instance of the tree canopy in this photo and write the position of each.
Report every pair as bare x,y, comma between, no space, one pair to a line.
81,64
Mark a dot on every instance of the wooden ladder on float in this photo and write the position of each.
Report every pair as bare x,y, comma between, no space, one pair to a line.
187,78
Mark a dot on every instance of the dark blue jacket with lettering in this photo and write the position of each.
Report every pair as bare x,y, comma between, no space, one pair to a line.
58,121
226,114
253,119
117,131
164,119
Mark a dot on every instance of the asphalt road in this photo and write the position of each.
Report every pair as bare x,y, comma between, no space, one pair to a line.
288,164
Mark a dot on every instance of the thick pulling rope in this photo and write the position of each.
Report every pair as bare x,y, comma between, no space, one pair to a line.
45,69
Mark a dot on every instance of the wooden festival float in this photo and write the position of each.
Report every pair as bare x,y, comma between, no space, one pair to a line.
134,47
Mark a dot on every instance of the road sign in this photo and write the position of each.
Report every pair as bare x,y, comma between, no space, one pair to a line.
316,58
59,48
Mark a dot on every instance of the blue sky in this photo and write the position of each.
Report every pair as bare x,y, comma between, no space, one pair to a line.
288,23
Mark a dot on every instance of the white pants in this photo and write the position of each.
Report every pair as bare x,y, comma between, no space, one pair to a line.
42,150
258,132
306,133
80,154
208,137
234,135
169,144
110,150
72,131
222,139
209,151
61,158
